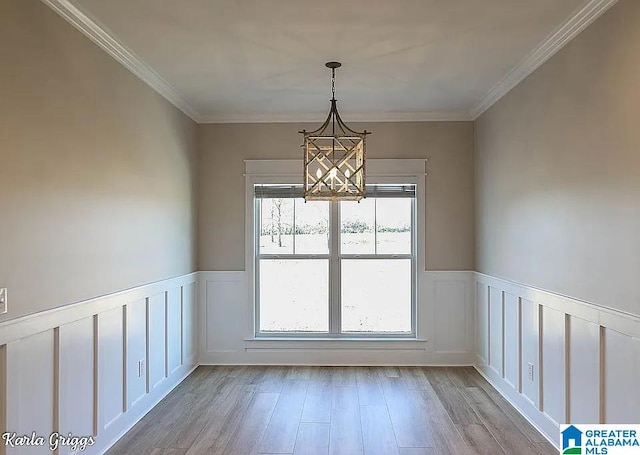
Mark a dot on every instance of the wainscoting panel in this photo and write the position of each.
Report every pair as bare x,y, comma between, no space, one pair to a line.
445,317
482,318
156,346
174,331
512,332
530,341
136,378
76,379
553,365
189,324
75,369
578,362
496,330
621,377
111,355
451,316
584,370
31,381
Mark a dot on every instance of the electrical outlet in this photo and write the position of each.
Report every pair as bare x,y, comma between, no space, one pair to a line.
140,368
530,371
3,301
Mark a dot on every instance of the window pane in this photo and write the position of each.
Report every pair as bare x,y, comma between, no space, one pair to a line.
393,221
357,222
312,227
276,226
376,295
294,295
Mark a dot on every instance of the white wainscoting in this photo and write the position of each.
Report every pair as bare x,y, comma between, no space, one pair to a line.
74,369
445,328
585,358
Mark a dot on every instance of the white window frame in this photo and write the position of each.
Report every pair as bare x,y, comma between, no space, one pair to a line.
379,171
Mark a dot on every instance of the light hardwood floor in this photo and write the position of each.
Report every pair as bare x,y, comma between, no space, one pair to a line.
245,410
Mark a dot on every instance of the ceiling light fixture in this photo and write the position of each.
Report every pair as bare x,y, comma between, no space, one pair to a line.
334,156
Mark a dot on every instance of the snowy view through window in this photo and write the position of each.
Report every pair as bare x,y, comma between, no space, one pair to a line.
373,261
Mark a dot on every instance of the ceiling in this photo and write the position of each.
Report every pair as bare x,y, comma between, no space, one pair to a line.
261,60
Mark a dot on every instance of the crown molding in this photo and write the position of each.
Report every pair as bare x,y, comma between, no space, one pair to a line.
559,38
128,59
433,116
562,35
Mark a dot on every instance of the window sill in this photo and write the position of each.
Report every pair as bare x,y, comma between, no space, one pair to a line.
350,339
266,344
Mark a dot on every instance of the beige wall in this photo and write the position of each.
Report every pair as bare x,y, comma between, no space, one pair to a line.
558,170
97,171
449,191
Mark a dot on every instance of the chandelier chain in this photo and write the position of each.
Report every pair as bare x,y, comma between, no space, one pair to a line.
333,83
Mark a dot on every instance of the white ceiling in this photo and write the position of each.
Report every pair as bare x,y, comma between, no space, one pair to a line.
247,60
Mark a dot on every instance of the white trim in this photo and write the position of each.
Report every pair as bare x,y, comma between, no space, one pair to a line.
318,117
559,38
378,171
561,358
106,337
105,40
15,329
620,321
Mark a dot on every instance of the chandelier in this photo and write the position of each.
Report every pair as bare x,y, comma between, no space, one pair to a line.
334,163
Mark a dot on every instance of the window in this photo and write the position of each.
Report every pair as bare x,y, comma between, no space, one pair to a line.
335,268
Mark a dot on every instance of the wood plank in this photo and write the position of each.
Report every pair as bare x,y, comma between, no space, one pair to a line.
222,424
343,376
545,448
414,378
180,429
345,433
418,451
463,376
369,387
448,438
150,431
272,380
299,372
389,372
280,436
160,451
317,404
454,403
377,433
505,432
407,414
480,440
313,439
248,435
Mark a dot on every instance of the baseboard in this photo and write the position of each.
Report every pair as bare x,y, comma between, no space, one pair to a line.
538,420
144,409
